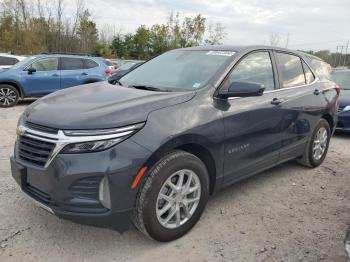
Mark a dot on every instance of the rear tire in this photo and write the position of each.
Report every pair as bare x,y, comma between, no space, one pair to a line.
317,146
8,96
184,199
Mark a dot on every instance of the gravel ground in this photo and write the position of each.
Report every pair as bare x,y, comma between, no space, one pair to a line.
289,213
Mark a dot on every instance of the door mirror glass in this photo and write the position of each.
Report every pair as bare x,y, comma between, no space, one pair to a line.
31,70
243,89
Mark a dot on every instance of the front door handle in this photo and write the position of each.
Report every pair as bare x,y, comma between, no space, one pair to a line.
276,101
55,75
84,74
316,92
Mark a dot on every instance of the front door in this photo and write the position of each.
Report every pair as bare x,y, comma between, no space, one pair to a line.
44,80
252,124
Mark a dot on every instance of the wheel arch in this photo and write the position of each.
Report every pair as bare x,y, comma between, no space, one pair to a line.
15,85
193,145
330,121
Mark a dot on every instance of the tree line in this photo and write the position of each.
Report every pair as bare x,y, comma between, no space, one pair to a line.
335,59
36,26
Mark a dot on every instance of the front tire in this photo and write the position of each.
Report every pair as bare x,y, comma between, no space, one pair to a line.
173,197
8,96
317,147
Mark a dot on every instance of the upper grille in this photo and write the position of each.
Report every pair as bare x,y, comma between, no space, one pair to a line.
41,128
34,151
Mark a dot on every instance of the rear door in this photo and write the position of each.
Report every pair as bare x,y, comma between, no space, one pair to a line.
44,80
252,124
73,71
302,102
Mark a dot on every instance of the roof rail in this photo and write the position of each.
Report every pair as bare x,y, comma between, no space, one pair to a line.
65,53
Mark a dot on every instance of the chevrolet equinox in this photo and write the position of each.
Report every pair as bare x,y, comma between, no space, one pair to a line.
152,149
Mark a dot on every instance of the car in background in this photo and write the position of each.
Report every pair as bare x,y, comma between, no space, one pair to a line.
8,60
123,70
342,78
46,73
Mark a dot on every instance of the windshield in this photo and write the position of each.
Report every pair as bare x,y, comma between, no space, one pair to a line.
22,62
178,70
342,78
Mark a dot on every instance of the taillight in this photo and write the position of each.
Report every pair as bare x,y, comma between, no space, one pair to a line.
337,88
109,71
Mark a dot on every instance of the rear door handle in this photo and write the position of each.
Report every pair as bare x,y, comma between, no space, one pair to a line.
276,101
84,74
55,75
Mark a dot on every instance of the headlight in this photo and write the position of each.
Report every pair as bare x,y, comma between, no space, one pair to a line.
347,108
87,141
91,146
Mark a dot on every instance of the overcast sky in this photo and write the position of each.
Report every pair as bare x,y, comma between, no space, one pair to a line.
311,24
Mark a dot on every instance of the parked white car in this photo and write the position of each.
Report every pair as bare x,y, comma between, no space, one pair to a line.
7,60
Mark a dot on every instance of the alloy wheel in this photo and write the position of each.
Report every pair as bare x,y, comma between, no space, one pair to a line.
7,96
320,143
178,199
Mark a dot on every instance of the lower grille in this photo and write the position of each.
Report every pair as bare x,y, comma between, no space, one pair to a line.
86,187
34,151
38,194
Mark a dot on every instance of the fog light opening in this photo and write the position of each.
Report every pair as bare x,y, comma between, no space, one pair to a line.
104,193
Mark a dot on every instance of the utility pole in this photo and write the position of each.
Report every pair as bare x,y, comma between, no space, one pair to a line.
287,41
346,53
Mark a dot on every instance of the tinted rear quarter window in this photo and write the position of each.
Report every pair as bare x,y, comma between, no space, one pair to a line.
290,70
90,63
321,68
70,63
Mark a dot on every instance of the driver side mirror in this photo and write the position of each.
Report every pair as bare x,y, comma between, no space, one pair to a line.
243,89
31,70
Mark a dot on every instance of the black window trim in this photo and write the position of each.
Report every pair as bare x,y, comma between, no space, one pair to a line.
274,70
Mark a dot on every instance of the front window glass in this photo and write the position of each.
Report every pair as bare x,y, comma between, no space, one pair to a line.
254,68
23,62
46,64
290,70
178,70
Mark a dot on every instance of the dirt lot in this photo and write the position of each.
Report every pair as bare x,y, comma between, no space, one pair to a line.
289,213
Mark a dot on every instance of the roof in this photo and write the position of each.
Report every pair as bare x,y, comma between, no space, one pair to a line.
239,48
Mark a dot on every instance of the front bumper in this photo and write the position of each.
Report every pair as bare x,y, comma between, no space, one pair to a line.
343,122
68,187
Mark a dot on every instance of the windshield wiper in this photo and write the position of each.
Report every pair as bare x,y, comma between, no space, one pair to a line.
150,88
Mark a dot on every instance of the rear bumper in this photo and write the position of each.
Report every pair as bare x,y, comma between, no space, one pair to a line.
58,188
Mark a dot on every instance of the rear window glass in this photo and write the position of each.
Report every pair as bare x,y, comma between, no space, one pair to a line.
107,62
290,70
90,63
69,63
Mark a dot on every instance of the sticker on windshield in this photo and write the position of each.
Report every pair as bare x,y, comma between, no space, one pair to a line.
222,53
196,85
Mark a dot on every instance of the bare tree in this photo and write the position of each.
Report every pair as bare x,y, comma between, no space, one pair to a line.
216,34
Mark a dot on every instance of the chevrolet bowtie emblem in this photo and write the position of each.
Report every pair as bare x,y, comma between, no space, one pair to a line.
20,131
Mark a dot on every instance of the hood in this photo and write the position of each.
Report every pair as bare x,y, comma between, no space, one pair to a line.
99,105
344,98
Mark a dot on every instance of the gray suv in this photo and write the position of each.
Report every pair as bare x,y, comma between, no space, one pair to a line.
175,130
